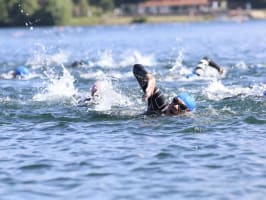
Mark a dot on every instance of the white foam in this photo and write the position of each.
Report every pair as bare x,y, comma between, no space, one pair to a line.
57,88
106,59
42,58
128,58
241,65
178,69
112,75
108,96
178,64
147,60
217,91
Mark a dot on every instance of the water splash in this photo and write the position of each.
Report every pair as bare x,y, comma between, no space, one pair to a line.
41,57
217,91
129,58
106,60
178,64
241,65
57,88
108,95
147,60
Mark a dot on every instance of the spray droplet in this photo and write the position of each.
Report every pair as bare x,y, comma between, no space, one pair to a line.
26,24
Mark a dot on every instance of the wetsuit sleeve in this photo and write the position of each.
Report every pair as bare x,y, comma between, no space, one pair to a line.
141,75
156,102
214,65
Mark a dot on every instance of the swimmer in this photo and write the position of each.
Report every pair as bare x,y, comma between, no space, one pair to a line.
96,87
78,63
264,93
95,91
20,72
203,66
157,104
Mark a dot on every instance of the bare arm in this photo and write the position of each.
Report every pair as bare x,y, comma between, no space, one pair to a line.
150,87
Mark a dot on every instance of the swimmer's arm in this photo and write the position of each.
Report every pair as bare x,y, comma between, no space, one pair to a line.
215,66
150,87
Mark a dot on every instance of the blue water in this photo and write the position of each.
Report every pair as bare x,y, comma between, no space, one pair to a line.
54,148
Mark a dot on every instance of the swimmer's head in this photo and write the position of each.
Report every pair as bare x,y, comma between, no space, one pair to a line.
264,93
188,100
21,71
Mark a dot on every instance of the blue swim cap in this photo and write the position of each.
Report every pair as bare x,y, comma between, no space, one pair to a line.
21,71
188,99
264,93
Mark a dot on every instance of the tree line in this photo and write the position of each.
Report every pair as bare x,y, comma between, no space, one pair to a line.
52,12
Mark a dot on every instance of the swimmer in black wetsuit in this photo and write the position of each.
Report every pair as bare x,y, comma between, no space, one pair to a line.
157,103
202,67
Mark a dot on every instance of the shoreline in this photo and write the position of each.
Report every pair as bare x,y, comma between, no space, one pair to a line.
109,19
123,20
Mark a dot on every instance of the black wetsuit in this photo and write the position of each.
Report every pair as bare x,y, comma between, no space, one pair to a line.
211,63
156,103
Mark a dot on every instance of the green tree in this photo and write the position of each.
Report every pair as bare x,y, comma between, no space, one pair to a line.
80,7
21,12
55,12
4,13
84,7
119,2
7,6
106,4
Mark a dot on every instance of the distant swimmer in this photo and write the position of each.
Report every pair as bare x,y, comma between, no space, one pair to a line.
264,93
203,69
95,91
157,104
20,72
96,88
79,63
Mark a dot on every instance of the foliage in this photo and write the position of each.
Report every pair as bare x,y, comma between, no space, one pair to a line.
80,8
17,12
57,12
22,12
139,19
106,4
4,13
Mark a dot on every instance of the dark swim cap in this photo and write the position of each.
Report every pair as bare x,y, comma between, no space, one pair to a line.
264,93
188,99
21,71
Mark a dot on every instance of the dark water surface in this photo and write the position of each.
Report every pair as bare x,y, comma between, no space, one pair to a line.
54,148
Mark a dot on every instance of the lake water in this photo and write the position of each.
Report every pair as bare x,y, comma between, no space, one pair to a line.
54,148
